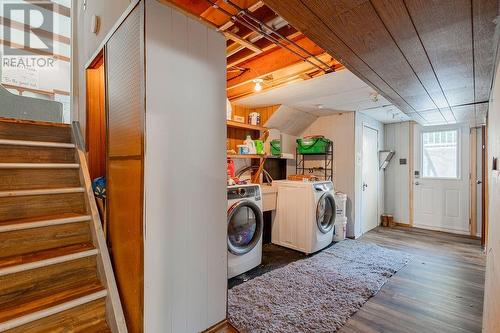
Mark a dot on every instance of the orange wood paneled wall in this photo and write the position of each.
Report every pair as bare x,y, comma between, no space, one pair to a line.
96,118
236,136
125,192
265,112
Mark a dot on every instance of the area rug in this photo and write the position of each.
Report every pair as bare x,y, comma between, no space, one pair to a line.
317,294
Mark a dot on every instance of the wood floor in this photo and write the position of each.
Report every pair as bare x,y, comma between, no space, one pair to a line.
440,290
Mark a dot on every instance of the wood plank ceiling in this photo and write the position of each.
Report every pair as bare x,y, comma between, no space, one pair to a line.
258,54
433,59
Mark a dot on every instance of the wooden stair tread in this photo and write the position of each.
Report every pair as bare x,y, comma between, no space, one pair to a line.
43,218
44,254
22,307
47,191
89,317
29,143
14,129
39,166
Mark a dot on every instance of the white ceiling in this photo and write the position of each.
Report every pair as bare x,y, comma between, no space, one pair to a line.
342,91
332,93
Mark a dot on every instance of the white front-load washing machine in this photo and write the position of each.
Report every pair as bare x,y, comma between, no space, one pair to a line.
305,215
245,224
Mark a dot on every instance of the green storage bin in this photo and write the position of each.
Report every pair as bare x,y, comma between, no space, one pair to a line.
276,147
313,145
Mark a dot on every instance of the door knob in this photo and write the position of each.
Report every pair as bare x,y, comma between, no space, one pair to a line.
417,183
365,186
479,182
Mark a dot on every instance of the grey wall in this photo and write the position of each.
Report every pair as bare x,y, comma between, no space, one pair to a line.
27,108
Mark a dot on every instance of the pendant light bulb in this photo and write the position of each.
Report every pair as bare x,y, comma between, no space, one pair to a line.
258,85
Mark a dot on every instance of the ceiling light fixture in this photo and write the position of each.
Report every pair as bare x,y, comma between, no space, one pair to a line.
258,84
374,97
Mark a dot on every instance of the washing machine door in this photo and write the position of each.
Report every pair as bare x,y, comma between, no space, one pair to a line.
325,212
244,227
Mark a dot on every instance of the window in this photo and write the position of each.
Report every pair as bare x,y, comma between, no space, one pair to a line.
440,158
36,50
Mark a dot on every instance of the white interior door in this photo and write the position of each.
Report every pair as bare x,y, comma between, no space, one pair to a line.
370,167
478,180
441,189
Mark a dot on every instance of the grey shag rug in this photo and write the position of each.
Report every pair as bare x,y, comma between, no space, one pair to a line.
316,294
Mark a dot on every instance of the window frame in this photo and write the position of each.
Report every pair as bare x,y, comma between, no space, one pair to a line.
459,153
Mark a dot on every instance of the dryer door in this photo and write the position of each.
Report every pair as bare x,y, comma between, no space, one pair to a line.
244,227
325,212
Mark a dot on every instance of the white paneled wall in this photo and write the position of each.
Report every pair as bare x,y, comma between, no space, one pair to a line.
185,273
397,175
345,129
491,324
340,128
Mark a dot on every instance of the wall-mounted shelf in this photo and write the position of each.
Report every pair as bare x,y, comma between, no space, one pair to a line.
235,124
241,156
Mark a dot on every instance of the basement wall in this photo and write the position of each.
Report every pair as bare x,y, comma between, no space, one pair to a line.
397,175
346,131
339,128
491,311
185,245
85,43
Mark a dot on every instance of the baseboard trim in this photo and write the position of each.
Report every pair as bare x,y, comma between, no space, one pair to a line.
220,327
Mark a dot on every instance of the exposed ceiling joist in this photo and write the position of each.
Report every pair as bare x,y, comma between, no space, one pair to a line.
270,62
299,71
263,44
260,44
242,42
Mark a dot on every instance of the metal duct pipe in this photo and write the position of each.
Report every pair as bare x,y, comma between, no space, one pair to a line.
243,11
266,35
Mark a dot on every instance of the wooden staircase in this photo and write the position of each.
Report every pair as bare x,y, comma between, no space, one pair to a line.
55,272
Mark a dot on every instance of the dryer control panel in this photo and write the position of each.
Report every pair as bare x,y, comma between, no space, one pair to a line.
323,187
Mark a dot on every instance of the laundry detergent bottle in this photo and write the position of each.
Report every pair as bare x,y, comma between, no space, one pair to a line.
250,144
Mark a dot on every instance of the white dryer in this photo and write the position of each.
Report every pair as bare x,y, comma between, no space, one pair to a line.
305,215
245,224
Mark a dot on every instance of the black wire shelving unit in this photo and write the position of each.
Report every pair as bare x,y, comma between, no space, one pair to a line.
326,170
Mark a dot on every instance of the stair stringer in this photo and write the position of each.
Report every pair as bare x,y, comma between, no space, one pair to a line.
114,311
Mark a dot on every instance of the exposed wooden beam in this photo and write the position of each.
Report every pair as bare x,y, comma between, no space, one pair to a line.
300,71
257,5
271,62
242,42
263,44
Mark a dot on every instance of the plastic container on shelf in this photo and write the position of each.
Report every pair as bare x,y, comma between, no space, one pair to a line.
339,229
340,203
276,147
243,150
313,145
250,144
259,147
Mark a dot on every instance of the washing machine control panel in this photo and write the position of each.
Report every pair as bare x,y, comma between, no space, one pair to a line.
243,192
